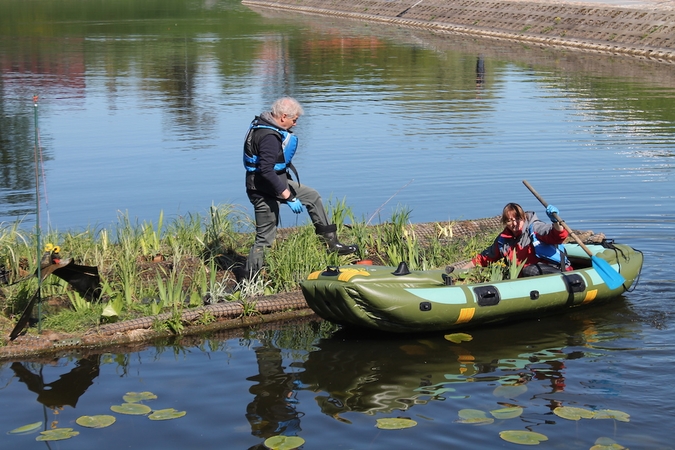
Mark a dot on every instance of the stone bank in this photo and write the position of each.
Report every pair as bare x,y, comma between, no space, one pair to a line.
643,30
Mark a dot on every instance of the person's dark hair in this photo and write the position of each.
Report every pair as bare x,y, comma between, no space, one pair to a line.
514,208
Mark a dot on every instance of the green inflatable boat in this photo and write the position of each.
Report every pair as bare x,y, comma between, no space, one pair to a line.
398,300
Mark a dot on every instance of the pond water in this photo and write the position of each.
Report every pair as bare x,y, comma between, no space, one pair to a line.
142,108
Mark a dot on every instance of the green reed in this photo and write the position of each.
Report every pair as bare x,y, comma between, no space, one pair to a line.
192,246
150,238
170,288
222,229
291,259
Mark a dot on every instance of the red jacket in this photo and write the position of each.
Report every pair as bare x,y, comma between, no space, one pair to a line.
521,244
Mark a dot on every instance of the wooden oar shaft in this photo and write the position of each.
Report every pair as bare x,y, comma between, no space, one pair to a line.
564,225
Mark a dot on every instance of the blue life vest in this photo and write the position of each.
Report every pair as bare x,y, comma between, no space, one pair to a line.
289,145
548,252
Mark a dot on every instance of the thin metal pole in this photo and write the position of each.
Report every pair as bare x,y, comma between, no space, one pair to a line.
37,214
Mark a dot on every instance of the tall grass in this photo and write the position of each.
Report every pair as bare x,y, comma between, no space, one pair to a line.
150,238
221,229
291,259
170,286
193,247
397,240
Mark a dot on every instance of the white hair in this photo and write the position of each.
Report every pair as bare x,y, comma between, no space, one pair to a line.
286,105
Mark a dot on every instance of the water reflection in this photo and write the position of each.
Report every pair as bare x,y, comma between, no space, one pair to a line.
65,391
273,410
480,72
17,179
374,375
125,87
299,378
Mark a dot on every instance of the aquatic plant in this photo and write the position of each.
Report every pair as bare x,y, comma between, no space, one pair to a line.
133,409
57,434
458,338
522,437
197,254
166,414
515,267
150,239
170,287
283,442
395,423
26,429
135,397
474,416
98,421
291,259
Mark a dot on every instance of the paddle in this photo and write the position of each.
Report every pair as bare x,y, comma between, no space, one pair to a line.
611,277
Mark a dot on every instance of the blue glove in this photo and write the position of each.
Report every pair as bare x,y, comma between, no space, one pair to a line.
550,210
295,205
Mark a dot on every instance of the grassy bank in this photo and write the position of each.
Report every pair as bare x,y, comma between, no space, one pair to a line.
147,269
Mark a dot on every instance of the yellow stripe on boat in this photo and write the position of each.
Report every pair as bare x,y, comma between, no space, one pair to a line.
347,274
465,315
314,275
590,295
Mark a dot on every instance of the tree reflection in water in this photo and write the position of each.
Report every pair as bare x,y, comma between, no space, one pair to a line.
67,390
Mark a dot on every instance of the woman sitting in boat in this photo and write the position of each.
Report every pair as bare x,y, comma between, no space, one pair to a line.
535,243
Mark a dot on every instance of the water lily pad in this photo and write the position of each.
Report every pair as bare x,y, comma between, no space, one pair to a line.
131,408
26,429
573,413
133,397
522,437
283,442
458,338
509,391
99,421
605,443
166,414
507,413
57,434
395,423
611,414
475,416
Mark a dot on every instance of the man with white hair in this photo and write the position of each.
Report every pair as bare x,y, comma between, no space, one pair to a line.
268,150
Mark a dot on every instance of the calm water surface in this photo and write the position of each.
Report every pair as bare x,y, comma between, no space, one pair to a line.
142,108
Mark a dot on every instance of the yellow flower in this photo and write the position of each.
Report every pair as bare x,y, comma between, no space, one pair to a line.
49,247
57,249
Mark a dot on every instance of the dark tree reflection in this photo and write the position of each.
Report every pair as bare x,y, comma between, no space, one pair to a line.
68,389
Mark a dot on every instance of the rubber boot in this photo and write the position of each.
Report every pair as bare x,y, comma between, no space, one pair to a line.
241,274
254,264
328,234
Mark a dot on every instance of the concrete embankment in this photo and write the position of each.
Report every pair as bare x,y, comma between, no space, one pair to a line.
643,30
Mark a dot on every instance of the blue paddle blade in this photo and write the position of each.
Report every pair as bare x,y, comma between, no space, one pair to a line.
611,277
